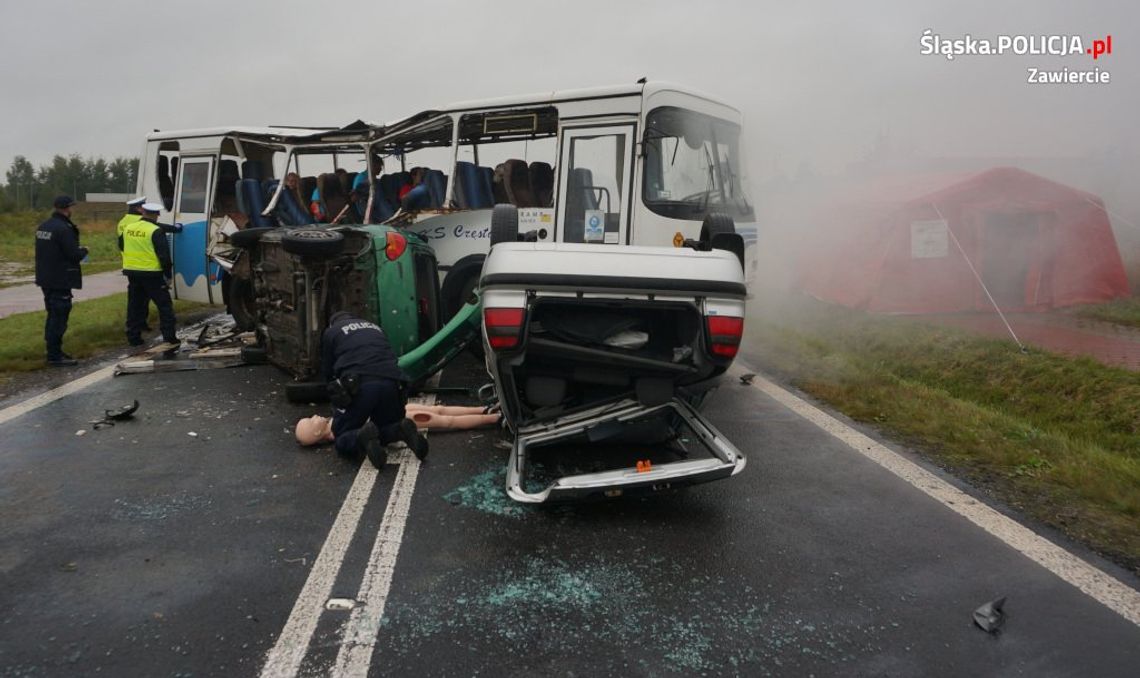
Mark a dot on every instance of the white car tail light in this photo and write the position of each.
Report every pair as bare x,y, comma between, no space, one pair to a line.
504,326
724,335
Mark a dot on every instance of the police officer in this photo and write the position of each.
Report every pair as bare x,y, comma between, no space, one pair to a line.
134,213
147,265
58,254
367,386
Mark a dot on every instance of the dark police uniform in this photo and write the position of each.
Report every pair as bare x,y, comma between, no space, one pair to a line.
357,353
58,254
148,267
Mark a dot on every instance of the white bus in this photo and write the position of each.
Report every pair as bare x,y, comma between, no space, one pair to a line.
641,164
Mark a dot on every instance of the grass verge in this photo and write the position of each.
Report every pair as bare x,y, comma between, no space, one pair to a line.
94,326
1119,311
1055,437
18,243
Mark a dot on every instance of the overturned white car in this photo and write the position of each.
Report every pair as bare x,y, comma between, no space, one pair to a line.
601,356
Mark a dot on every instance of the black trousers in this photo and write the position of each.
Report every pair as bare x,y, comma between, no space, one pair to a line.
382,401
141,290
57,303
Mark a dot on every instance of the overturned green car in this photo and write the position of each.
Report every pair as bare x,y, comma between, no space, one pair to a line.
284,283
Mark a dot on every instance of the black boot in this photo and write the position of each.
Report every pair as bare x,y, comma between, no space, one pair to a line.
412,438
368,445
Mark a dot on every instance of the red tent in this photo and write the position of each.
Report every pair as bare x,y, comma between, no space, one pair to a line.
920,244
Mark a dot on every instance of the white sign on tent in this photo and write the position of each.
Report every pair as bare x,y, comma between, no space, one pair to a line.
929,239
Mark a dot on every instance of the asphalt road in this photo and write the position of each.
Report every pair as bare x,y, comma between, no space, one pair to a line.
179,544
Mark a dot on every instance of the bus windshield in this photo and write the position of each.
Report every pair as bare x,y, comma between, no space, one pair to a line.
692,166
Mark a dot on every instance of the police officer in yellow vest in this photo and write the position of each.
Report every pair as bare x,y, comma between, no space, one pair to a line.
134,213
148,267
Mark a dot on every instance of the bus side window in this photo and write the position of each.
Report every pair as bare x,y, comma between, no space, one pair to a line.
165,182
225,200
498,185
516,181
542,183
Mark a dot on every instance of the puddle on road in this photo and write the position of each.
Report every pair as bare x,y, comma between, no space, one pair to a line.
648,616
15,273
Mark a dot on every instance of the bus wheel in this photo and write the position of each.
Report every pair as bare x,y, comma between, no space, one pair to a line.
241,304
460,282
312,242
504,224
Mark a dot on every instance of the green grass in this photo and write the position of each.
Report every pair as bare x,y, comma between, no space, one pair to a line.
1121,311
94,326
1056,437
18,243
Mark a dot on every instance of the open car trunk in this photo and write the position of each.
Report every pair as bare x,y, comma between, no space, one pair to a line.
580,352
613,354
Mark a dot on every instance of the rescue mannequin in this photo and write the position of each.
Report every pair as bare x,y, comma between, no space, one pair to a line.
317,429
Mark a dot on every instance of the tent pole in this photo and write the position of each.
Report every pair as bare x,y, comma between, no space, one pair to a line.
979,278
1110,213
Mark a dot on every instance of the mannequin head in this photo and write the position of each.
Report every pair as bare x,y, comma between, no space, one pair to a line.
314,430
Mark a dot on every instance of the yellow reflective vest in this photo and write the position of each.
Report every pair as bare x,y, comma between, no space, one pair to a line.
127,220
138,248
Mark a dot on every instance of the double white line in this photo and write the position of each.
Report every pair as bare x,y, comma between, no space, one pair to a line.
358,636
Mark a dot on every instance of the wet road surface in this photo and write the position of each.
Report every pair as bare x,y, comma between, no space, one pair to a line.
145,550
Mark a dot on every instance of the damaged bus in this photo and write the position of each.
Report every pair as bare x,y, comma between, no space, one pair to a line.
257,237
640,164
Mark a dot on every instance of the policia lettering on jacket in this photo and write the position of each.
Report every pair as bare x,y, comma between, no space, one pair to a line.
58,254
148,267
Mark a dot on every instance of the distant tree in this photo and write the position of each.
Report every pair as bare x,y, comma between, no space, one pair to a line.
98,178
122,173
29,188
21,183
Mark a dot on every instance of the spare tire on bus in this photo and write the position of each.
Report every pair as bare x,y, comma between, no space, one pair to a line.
313,242
248,237
504,224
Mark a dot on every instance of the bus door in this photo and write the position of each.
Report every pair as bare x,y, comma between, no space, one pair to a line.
595,177
191,209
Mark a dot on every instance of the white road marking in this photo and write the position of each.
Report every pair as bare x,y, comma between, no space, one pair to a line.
48,397
358,638
284,660
1110,592
287,654
360,633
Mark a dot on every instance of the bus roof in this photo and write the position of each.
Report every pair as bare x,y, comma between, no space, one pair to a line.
363,131
556,96
283,134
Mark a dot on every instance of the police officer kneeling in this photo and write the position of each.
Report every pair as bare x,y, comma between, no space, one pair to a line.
148,267
367,389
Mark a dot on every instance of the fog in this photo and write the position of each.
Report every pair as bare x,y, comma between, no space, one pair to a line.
830,91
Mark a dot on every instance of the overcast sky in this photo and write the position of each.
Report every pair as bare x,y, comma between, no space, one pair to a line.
817,81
